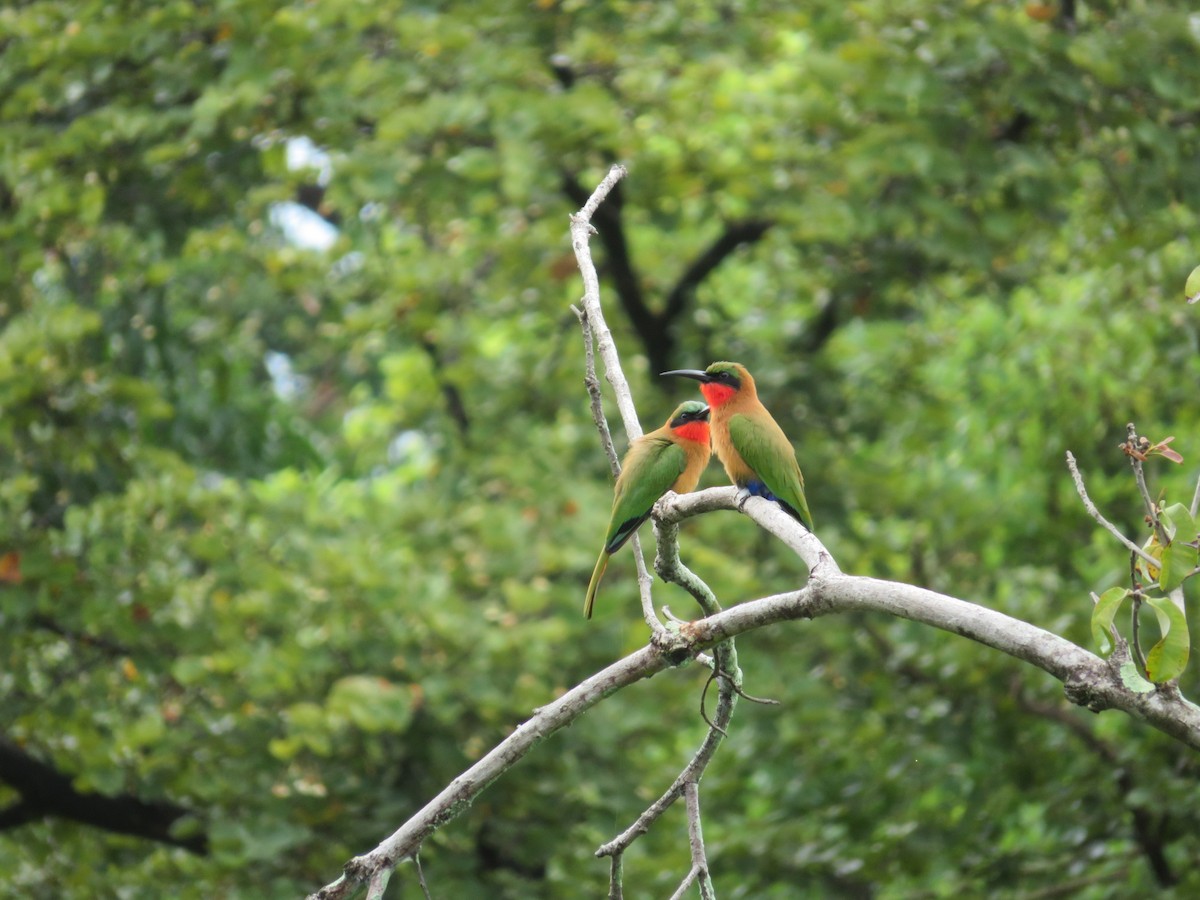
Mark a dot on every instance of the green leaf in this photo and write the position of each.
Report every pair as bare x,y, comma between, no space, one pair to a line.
1133,679
1102,617
1179,558
1192,289
1178,561
1168,658
1179,522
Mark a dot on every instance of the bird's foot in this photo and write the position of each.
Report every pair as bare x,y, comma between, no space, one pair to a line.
743,495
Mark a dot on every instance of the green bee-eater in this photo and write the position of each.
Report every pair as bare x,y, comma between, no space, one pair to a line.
670,458
756,453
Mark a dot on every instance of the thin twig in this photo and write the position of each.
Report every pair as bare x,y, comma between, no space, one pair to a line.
703,712
1195,508
1139,477
761,701
670,567
616,890
710,663
421,877
726,702
1095,514
1135,640
725,668
685,884
691,794
592,383
750,697
1135,620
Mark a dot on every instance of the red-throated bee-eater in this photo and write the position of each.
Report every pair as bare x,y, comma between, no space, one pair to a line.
670,458
756,453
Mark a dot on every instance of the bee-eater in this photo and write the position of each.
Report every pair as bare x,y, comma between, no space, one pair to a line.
756,453
670,458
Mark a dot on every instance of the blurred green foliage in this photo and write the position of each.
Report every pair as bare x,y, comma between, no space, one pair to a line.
290,536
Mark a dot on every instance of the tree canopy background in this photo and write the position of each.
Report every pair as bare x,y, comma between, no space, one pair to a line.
299,491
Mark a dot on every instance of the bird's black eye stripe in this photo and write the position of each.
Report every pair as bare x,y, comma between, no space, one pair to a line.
726,378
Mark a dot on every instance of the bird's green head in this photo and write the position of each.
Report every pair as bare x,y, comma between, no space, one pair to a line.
690,421
720,382
689,411
730,373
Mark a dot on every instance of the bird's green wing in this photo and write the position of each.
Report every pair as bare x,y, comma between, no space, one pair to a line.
766,449
651,467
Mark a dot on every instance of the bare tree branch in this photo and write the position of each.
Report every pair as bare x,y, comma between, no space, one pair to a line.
618,256
592,321
592,383
581,229
615,875
670,568
691,772
1088,681
1095,514
686,883
378,884
696,842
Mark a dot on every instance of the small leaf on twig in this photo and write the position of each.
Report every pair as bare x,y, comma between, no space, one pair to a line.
1105,610
1142,448
1179,522
1168,658
1181,555
1178,561
1192,289
1161,449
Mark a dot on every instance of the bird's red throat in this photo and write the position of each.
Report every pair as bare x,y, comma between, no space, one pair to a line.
717,394
693,431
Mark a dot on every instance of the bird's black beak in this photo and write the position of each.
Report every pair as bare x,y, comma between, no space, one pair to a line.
697,374
703,414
